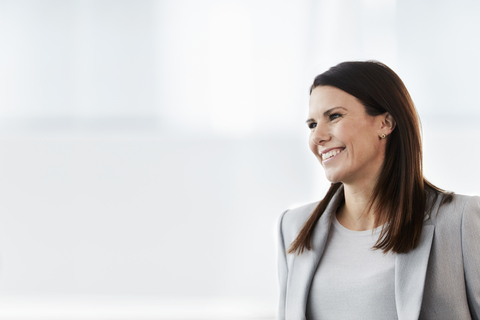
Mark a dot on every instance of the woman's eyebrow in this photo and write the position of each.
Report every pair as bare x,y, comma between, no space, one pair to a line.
327,113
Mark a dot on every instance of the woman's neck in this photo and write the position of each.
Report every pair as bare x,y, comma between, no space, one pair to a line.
353,213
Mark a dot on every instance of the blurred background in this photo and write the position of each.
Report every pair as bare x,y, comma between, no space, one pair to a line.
147,148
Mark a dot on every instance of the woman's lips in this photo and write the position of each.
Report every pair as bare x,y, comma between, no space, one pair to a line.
331,154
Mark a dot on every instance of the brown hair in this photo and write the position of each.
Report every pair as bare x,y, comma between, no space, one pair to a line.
399,197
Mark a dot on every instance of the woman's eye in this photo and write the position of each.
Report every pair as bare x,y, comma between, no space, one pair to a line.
312,125
334,116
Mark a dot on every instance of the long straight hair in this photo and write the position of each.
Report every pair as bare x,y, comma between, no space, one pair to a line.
399,199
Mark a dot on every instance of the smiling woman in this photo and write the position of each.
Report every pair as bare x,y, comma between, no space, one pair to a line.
384,243
344,137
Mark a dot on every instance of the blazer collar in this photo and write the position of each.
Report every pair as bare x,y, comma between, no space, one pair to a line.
304,265
410,270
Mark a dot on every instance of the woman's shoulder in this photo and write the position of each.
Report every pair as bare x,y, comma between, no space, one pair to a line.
292,220
455,209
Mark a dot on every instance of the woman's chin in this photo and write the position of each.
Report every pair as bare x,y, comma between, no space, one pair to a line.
332,178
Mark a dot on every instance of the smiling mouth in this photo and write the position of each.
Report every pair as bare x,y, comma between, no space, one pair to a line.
331,154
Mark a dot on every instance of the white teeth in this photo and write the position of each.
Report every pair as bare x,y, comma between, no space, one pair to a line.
330,154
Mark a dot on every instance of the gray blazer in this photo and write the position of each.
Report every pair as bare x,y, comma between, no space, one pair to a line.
440,279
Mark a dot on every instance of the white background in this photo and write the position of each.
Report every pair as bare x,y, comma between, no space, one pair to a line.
147,148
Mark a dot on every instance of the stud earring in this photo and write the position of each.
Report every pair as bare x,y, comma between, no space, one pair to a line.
383,136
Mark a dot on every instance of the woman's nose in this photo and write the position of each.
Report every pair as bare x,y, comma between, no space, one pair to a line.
320,135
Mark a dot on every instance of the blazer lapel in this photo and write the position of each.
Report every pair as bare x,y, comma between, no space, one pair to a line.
410,271
304,265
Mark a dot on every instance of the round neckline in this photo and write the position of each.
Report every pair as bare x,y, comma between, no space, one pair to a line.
365,233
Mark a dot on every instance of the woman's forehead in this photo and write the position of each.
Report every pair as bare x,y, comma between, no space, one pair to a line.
324,98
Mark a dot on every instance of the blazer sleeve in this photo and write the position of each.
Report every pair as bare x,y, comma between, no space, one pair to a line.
282,269
471,254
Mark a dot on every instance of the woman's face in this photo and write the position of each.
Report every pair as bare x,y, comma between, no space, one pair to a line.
344,138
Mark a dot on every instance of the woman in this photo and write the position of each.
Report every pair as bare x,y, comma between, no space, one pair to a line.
384,243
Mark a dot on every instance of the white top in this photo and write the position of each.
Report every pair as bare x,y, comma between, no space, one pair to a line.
352,281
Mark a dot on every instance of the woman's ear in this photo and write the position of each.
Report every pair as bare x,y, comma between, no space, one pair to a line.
388,123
